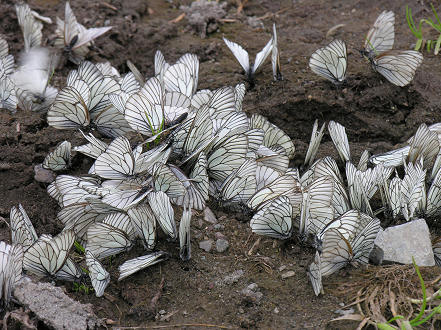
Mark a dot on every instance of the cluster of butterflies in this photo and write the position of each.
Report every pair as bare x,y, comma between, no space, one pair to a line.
341,219
397,66
27,85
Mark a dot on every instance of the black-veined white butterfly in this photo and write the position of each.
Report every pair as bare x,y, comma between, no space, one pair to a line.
8,97
160,204
98,275
330,62
22,230
184,234
73,37
243,58
105,240
340,139
134,265
48,255
275,57
397,66
274,219
316,138
30,27
315,274
436,246
144,222
59,159
11,264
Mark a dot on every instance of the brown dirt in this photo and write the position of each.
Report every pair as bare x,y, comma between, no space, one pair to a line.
377,116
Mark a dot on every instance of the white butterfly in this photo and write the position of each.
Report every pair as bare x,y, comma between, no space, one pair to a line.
330,62
243,59
275,57
315,275
274,219
316,138
436,246
104,240
32,77
8,97
397,66
192,196
11,264
94,148
339,251
29,25
144,222
98,275
59,159
160,204
22,230
134,265
340,139
184,234
48,255
73,37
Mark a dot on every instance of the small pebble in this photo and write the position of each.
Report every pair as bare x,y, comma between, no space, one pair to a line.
43,175
288,274
222,245
206,245
219,226
282,268
276,310
219,235
162,312
209,216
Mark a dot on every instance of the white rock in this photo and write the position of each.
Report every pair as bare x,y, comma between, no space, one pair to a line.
401,243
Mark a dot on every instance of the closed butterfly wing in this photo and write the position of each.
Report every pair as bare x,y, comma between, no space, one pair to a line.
8,97
98,275
275,57
144,222
184,235
59,159
104,240
274,220
160,204
380,37
337,252
240,54
22,230
330,62
316,138
391,158
199,175
94,148
262,56
340,139
134,265
315,275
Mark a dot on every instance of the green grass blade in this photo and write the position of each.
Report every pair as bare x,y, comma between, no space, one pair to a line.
423,288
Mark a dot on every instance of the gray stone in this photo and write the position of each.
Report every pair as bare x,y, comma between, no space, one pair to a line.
52,306
233,277
376,256
209,215
401,243
204,15
252,293
288,274
206,245
43,175
222,245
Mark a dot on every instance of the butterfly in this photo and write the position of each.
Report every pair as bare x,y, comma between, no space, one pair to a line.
184,234
275,57
132,266
330,62
8,97
274,219
59,159
48,255
98,275
397,66
340,139
30,27
22,230
243,59
11,264
316,138
144,223
104,240
73,37
32,77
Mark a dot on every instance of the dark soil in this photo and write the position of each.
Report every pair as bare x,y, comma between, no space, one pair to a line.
377,115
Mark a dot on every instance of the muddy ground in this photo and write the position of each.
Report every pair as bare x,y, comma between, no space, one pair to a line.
378,116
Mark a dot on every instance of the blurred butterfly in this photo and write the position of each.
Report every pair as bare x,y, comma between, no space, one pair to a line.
32,78
397,66
73,37
132,266
98,275
330,62
243,58
29,25
275,57
11,264
8,97
59,159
